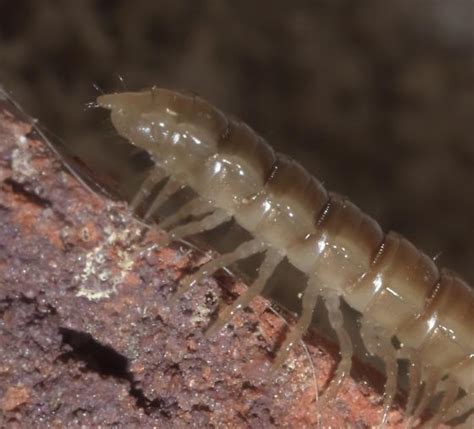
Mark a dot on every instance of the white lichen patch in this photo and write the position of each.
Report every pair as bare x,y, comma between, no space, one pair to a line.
200,315
126,260
100,277
21,158
95,294
94,266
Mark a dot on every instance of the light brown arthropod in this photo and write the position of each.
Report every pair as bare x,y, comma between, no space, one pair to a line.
409,310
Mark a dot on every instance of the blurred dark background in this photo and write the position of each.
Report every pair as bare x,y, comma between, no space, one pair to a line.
376,98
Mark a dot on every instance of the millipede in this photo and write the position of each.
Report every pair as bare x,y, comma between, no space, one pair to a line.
409,310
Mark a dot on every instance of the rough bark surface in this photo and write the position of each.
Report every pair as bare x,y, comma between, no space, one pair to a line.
88,336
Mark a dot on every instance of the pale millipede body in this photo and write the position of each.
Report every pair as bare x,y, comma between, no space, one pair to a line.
397,289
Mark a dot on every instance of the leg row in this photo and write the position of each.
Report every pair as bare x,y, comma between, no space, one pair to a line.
155,177
336,319
170,188
271,261
378,343
196,207
211,221
243,251
310,297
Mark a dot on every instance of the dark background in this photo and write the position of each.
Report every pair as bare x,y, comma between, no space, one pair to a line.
376,98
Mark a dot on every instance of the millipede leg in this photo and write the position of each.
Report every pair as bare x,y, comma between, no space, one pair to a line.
379,343
195,207
391,367
309,300
469,423
155,177
460,407
332,302
211,221
269,264
170,188
414,381
451,390
245,250
431,380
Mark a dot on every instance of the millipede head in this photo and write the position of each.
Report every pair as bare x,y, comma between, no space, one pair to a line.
177,127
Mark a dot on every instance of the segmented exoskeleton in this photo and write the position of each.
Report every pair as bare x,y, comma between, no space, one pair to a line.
398,290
